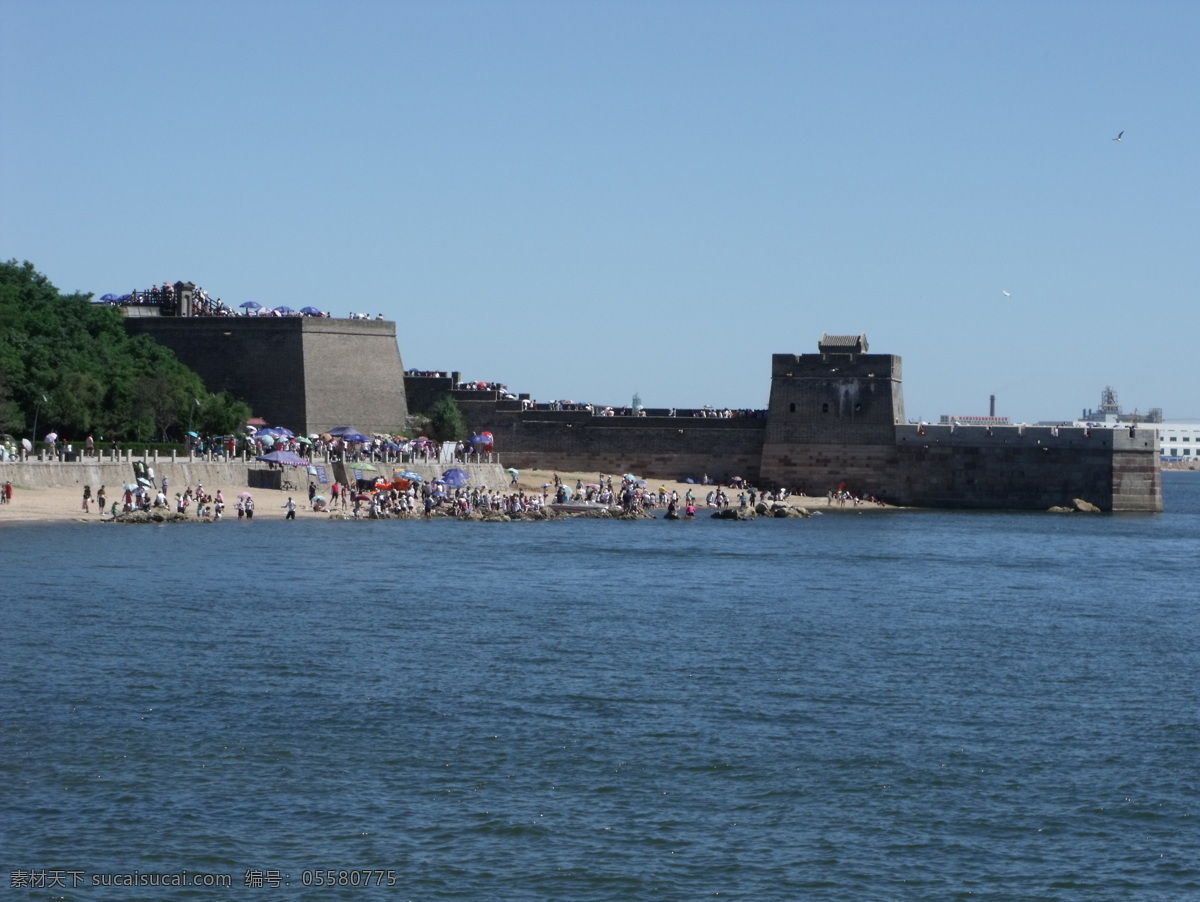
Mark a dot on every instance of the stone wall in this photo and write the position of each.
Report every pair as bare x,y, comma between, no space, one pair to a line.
423,392
214,475
840,399
181,473
353,376
307,373
1007,467
834,419
656,447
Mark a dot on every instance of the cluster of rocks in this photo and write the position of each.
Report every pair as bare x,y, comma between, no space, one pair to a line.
762,509
156,516
1078,505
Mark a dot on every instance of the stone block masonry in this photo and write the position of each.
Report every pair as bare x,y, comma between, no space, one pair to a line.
835,418
309,374
655,447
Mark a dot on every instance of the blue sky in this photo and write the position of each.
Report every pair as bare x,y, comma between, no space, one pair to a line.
587,200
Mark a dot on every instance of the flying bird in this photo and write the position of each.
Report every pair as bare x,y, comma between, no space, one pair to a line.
1118,137
1006,294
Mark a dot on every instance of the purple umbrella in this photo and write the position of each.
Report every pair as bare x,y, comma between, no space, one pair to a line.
287,458
456,478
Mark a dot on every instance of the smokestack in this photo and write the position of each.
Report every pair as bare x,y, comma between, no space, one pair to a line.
992,408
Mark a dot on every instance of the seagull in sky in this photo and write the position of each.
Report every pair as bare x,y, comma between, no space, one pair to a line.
1118,137
1006,294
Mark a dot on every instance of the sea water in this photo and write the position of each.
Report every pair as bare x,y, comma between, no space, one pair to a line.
897,705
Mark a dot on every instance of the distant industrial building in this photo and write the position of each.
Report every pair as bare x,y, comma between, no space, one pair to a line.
1178,440
991,419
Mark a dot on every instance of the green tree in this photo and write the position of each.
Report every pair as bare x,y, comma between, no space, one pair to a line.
93,376
221,414
446,420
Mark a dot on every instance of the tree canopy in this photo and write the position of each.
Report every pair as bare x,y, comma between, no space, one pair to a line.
446,420
70,365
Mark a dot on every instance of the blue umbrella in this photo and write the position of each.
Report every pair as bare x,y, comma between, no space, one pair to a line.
284,310
343,430
411,476
251,305
109,297
456,478
288,458
354,437
311,311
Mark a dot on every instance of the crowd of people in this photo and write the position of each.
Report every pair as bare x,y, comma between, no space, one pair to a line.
170,297
147,496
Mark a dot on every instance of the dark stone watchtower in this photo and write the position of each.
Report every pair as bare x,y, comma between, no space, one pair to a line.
825,404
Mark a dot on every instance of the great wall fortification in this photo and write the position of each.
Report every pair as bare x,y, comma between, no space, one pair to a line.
835,417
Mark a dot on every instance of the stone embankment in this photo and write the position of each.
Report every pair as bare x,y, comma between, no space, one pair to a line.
213,474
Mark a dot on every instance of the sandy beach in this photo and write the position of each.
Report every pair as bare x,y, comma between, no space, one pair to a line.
65,505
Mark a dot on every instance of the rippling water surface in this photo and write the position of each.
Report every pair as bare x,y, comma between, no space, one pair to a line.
854,706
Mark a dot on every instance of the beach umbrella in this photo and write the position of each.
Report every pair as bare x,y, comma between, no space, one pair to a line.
251,305
110,297
354,437
284,310
343,430
286,458
456,477
410,475
311,311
